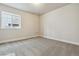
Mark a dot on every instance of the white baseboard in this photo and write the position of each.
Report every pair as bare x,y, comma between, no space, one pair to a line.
16,39
48,37
70,42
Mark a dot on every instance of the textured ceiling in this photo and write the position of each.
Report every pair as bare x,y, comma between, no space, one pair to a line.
36,8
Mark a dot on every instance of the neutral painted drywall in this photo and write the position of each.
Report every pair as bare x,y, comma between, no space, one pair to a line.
30,25
62,24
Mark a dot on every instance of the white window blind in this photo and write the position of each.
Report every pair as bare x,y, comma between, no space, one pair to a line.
10,20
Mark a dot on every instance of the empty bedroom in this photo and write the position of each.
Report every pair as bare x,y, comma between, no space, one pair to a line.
39,29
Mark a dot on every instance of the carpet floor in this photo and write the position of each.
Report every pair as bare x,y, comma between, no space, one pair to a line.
38,47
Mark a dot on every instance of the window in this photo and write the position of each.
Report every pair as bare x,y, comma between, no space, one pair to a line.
10,20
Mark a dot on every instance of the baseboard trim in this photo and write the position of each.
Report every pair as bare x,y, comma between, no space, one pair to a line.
48,37
70,42
17,39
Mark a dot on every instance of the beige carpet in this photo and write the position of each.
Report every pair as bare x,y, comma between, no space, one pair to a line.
38,47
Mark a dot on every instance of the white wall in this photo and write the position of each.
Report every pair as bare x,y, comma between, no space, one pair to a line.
30,26
62,24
